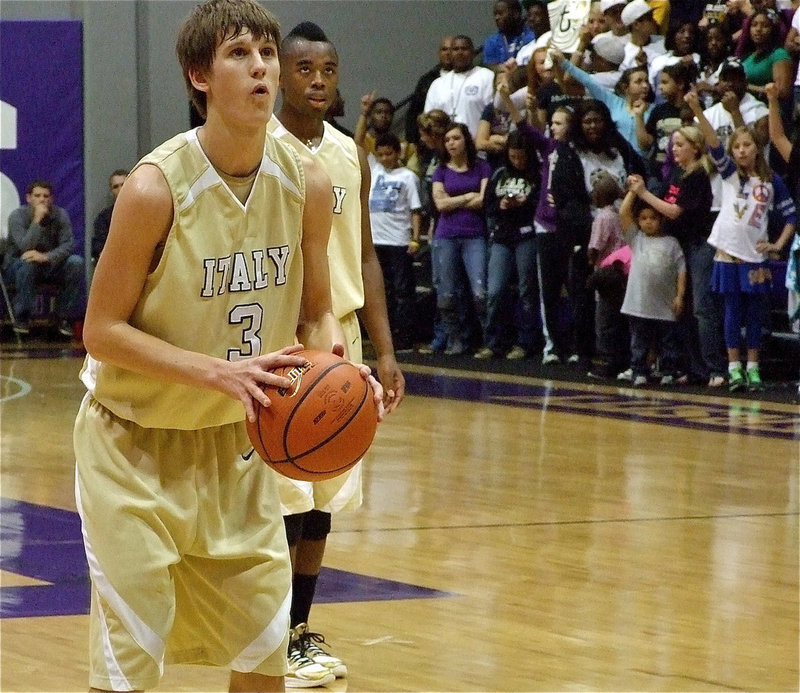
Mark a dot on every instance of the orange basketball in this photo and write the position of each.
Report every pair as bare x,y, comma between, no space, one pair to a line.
319,427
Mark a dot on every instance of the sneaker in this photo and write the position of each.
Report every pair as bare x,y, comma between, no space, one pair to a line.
550,358
716,381
667,380
484,353
640,381
516,353
65,328
21,327
573,358
455,349
626,375
754,383
736,380
304,672
311,642
435,347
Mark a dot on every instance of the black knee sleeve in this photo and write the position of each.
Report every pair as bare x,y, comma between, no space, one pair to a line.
294,527
317,525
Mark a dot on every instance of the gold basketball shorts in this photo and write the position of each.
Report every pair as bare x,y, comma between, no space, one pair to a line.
186,549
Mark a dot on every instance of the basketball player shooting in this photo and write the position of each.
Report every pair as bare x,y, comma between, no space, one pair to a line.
215,263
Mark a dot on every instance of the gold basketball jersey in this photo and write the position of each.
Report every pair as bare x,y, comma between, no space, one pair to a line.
338,156
228,284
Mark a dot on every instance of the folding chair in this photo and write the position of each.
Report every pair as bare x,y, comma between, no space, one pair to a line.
9,308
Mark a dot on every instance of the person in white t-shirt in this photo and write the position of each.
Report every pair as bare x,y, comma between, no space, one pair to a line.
464,92
395,213
736,107
645,42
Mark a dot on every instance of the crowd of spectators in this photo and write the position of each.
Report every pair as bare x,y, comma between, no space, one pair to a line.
628,207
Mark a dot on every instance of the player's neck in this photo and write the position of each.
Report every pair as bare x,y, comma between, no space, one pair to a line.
234,153
307,129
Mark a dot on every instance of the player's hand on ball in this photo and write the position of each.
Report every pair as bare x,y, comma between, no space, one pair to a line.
366,373
244,380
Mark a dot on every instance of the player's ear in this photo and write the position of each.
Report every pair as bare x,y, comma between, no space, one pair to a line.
199,79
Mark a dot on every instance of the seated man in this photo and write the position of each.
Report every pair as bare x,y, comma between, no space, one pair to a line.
39,249
102,222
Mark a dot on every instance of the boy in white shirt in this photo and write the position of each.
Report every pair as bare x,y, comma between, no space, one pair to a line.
395,212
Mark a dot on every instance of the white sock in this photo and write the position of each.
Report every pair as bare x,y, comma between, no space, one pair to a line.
752,364
734,366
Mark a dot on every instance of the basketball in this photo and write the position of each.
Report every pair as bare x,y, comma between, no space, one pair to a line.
320,426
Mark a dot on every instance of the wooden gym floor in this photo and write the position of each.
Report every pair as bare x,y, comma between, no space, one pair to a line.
520,533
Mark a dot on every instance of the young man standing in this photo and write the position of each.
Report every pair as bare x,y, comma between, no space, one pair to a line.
215,263
309,78
465,91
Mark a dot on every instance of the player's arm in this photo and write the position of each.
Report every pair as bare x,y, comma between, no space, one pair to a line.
142,219
318,327
374,313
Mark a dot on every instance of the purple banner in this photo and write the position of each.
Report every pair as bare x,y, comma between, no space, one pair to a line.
41,87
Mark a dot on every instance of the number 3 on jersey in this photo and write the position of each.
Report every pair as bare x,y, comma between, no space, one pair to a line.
250,316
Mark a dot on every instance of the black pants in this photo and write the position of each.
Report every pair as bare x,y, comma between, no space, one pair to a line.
400,287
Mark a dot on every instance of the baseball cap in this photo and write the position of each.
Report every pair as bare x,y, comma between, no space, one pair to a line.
636,9
731,65
608,4
608,46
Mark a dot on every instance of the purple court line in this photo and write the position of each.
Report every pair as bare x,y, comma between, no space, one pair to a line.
45,543
736,416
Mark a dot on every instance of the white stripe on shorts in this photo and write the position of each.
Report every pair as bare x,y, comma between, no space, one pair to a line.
144,636
269,640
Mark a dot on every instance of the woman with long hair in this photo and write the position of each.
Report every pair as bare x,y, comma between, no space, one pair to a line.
459,187
594,145
630,104
510,205
765,60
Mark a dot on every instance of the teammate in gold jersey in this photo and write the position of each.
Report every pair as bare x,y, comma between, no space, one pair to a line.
215,265
309,78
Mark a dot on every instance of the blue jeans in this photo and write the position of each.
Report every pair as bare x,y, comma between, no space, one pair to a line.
452,255
707,308
26,276
646,333
506,263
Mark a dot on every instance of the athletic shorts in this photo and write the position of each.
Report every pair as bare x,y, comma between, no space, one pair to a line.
332,495
186,548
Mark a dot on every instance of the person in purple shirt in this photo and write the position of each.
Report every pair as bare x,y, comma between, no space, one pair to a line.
459,185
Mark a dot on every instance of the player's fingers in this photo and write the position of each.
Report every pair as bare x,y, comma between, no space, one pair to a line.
377,395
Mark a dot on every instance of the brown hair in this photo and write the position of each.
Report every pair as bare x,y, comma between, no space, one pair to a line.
763,171
208,25
434,122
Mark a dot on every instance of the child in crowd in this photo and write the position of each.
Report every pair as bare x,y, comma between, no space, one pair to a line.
609,284
395,213
654,296
375,119
741,271
606,234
